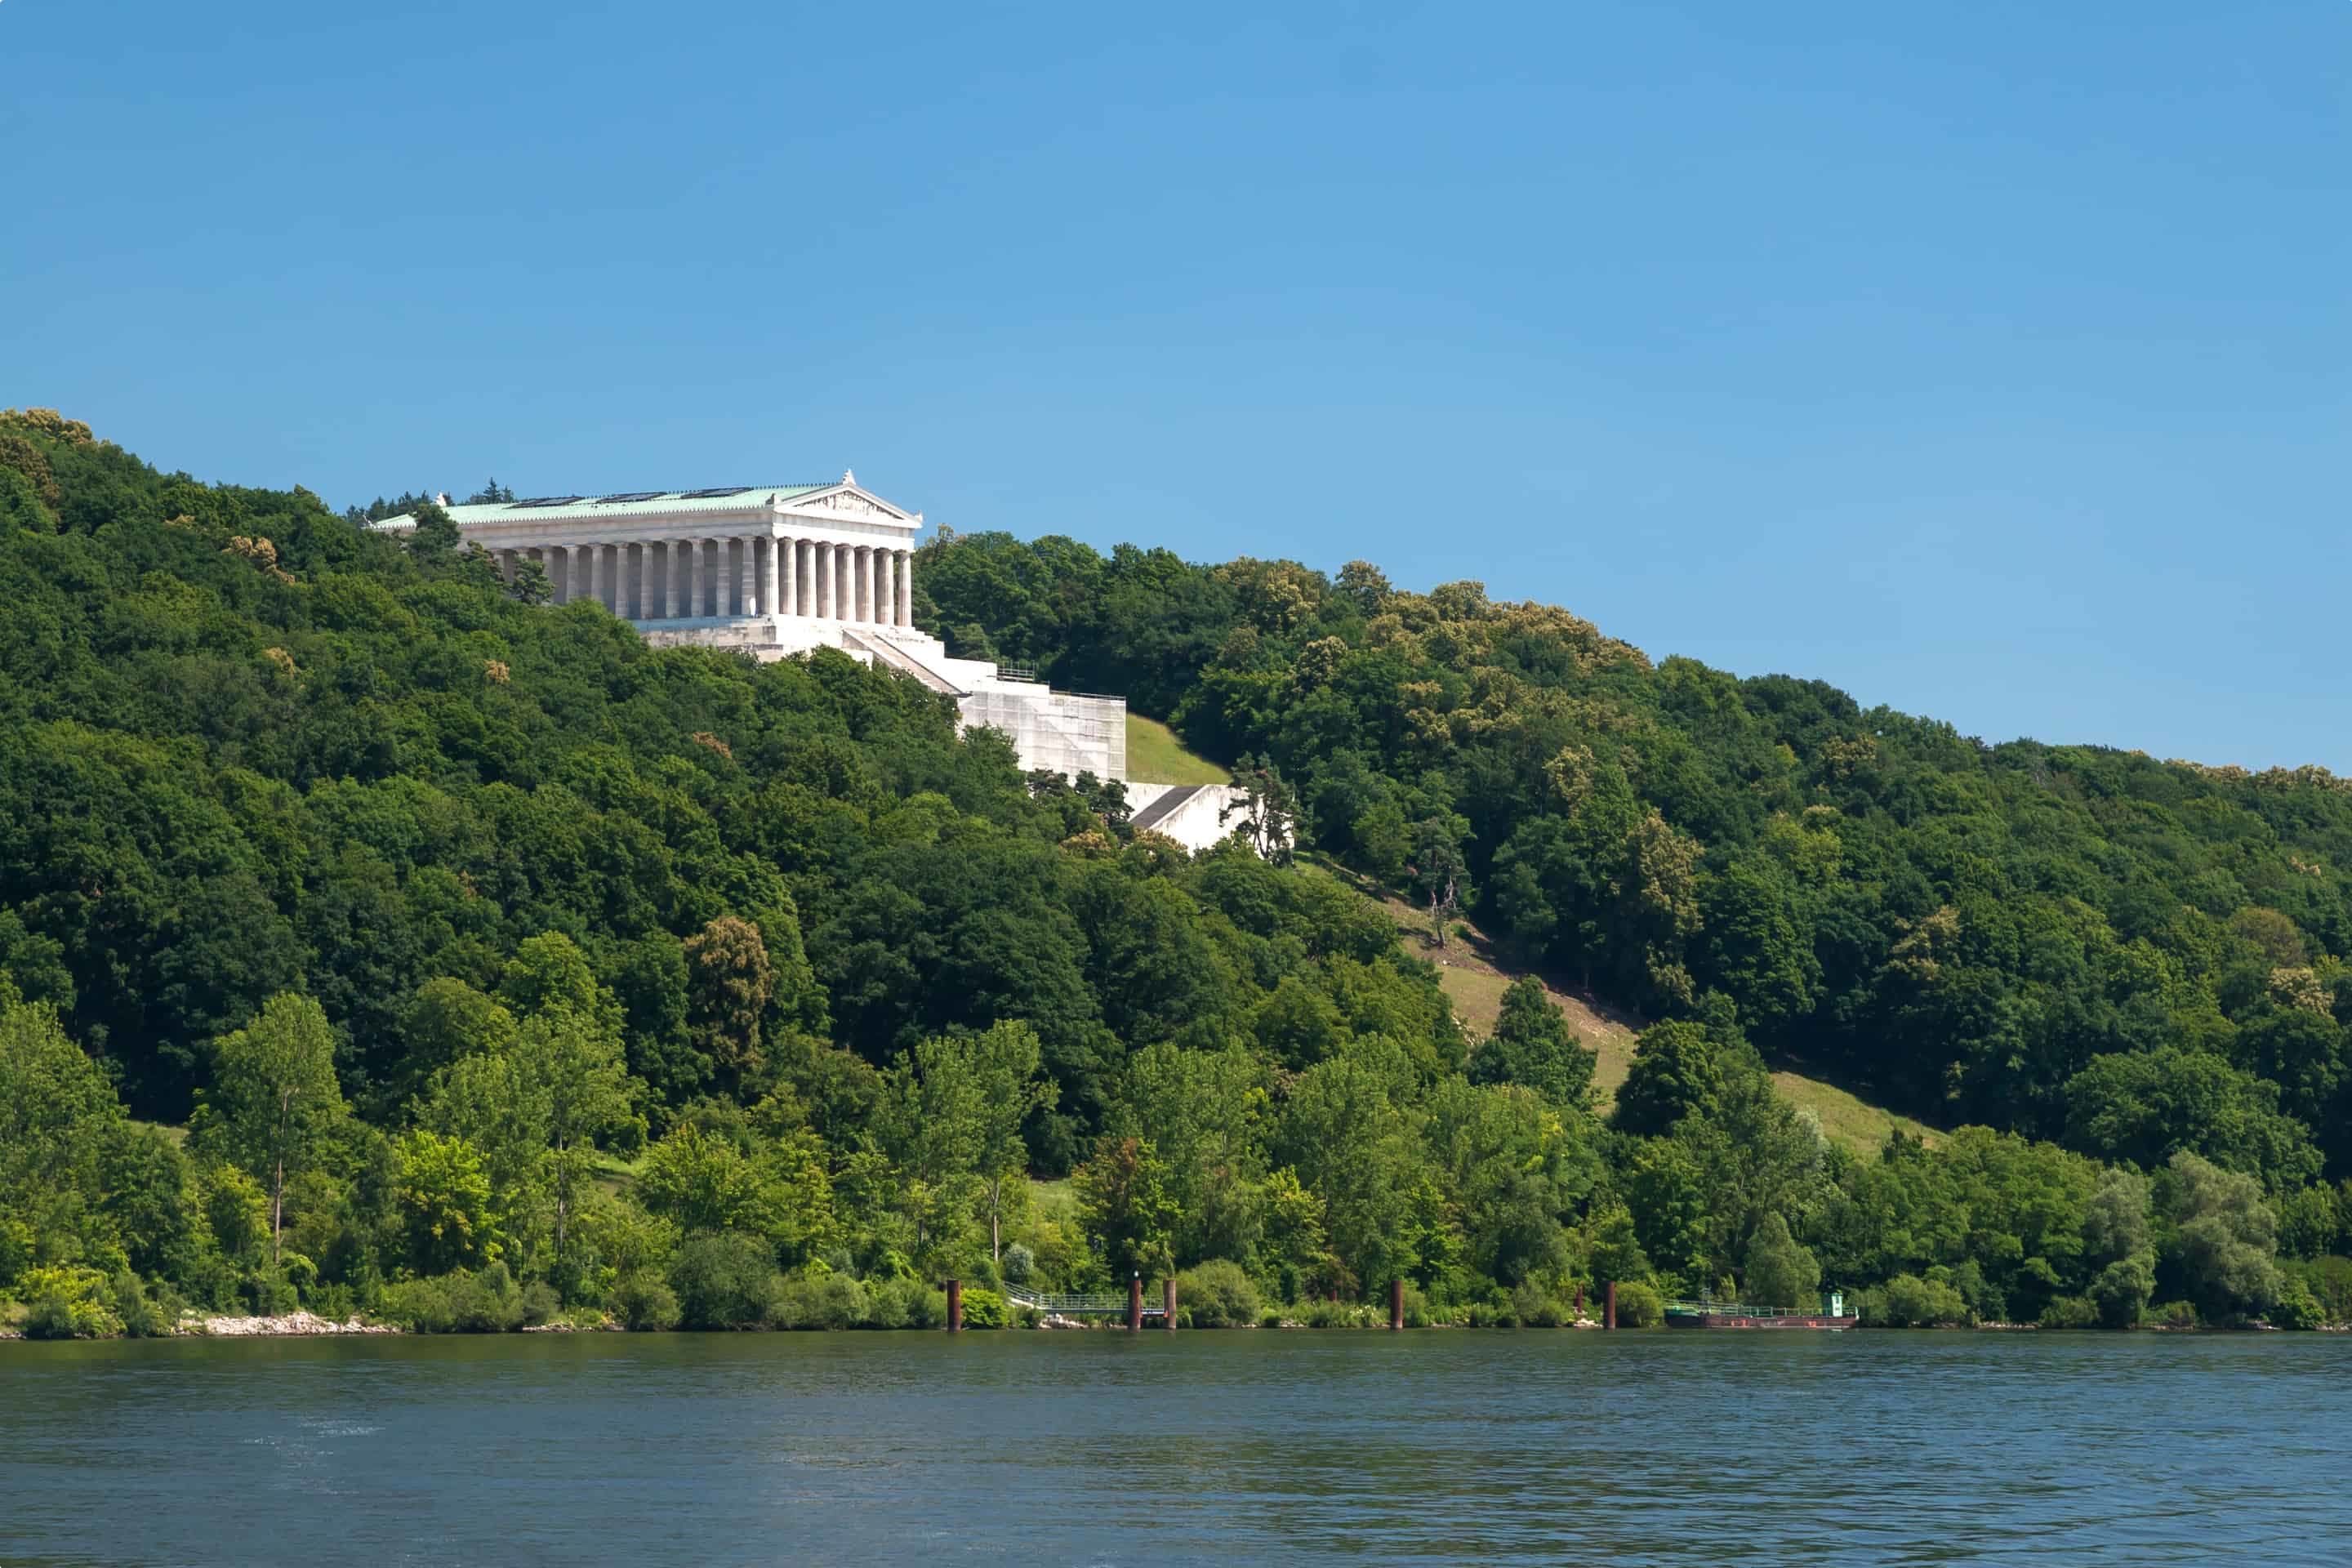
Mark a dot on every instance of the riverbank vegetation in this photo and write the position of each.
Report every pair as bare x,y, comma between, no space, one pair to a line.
374,939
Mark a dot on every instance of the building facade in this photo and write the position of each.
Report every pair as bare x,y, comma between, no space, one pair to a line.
776,570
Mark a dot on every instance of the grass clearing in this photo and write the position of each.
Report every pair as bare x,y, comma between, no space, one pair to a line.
1470,970
1474,979
613,1174
1475,988
1154,755
1055,1201
1853,1121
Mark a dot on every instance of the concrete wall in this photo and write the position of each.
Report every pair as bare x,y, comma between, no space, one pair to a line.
1194,818
1061,730
1054,730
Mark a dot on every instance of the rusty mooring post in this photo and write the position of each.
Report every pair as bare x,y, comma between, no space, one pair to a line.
955,1306
1609,1305
1167,1303
1396,1305
1135,1302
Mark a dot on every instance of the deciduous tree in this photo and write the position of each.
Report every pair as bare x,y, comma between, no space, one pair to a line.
274,1104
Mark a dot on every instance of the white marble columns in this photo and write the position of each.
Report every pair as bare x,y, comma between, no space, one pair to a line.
729,576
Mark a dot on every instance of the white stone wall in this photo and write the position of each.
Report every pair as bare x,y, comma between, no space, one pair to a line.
1197,822
1054,730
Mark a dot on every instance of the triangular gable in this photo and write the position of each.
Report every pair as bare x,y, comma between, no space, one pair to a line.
849,499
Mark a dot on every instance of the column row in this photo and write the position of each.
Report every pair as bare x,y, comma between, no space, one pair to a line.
688,579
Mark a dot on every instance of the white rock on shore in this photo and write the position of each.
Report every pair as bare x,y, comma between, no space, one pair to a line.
294,1323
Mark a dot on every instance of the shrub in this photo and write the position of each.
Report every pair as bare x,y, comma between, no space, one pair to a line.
2173,1315
420,1305
1217,1294
337,1300
170,1307
2329,1279
266,1295
724,1280
141,1319
2296,1307
815,1301
2121,1292
1335,1315
67,1303
2069,1312
1488,1315
1639,1305
1536,1308
486,1301
905,1304
1020,1263
983,1309
540,1303
885,1304
643,1301
1907,1301
52,1316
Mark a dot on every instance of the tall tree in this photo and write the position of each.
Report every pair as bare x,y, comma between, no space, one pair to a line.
1780,1272
1268,809
435,536
1123,1193
1003,1062
933,1126
1532,1046
1676,1070
274,1103
1439,871
730,984
579,1091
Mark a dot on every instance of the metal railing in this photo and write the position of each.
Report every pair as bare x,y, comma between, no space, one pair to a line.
1072,1305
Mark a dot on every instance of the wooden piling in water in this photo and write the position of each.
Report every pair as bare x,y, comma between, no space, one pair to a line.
1167,1303
1135,1302
1396,1306
955,1306
1609,1305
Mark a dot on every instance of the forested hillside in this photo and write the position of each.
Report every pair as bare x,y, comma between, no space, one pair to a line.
2088,945
375,937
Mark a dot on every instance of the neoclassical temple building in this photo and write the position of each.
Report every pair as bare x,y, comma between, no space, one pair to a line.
776,570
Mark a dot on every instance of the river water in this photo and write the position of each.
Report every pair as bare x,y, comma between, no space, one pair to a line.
1106,1447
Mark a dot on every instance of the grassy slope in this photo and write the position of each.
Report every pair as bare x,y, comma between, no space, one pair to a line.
1154,755
1474,975
1855,1122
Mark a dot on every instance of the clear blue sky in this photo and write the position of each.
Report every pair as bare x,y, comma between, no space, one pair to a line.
1990,359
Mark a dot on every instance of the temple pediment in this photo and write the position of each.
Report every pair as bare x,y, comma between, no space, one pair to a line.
850,500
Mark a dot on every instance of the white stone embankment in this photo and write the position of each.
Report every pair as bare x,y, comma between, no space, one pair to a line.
292,1324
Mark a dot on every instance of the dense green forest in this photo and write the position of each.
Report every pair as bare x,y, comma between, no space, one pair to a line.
375,937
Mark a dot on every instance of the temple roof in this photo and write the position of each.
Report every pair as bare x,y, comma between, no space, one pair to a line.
623,503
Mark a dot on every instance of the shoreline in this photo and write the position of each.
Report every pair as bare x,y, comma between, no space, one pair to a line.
310,1325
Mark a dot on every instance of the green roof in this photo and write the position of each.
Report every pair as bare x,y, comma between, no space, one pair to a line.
637,503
